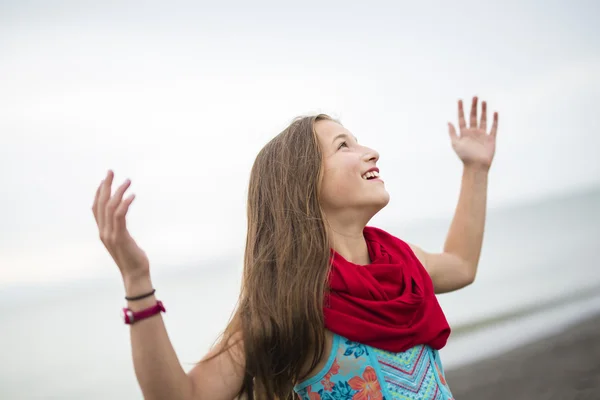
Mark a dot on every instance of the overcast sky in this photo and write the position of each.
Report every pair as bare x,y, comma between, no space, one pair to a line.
181,97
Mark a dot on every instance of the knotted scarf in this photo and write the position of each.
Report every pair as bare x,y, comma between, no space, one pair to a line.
389,304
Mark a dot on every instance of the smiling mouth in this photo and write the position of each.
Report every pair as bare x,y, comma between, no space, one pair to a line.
372,176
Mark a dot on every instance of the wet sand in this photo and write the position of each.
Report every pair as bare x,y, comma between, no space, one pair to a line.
563,367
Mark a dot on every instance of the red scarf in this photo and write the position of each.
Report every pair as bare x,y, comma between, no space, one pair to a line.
388,304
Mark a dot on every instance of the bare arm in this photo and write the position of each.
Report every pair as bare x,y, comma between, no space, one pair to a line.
156,365
456,266
158,370
220,375
465,236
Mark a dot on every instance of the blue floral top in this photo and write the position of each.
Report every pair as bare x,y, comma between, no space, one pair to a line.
359,372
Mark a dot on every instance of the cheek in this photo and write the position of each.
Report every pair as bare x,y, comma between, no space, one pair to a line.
340,183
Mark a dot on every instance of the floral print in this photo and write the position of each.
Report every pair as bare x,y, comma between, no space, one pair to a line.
353,372
368,386
355,348
335,387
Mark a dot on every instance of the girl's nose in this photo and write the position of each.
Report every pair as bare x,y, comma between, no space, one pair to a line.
371,155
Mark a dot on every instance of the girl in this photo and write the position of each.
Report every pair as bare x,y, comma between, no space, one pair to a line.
330,308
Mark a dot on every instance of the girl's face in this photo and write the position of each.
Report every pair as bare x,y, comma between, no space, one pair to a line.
348,190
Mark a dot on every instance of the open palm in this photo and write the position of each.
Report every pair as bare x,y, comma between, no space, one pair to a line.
474,146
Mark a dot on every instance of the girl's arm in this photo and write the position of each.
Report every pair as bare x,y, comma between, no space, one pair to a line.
456,267
157,367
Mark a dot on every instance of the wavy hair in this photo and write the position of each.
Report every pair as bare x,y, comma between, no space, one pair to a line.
279,316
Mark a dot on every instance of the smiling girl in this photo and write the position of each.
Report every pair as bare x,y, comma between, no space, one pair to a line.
330,308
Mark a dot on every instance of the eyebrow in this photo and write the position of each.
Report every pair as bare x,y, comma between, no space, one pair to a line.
343,135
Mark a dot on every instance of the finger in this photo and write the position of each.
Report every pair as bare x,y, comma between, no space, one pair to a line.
461,116
483,121
103,199
452,131
120,214
95,205
112,205
494,125
473,120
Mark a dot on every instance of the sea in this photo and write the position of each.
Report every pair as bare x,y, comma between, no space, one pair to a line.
539,272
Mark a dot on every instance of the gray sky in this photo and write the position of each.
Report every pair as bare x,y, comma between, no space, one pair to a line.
180,98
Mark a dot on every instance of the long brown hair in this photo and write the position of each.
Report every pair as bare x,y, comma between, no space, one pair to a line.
286,264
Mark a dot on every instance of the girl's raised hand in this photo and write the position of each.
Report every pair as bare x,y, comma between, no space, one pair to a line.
110,213
474,145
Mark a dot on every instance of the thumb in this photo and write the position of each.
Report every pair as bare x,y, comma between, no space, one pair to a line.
452,132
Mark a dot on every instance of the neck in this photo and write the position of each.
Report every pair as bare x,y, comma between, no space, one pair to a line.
349,242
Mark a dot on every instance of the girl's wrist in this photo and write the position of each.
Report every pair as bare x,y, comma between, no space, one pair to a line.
137,284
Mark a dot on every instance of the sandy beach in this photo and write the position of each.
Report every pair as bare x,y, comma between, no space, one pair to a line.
563,367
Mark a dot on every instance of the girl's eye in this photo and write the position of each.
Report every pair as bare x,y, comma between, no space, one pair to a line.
342,145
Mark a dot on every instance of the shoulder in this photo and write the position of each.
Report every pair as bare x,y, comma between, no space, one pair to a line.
419,253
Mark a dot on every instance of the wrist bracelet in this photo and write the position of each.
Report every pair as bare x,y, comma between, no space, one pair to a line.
142,296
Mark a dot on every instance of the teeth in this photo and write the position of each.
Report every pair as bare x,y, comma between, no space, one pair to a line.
372,174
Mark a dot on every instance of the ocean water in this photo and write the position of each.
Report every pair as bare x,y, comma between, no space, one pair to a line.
539,269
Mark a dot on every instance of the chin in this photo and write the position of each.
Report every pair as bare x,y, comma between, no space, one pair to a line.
384,203
380,203
384,198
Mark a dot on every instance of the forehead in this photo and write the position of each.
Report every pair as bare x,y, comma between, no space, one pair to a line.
327,131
